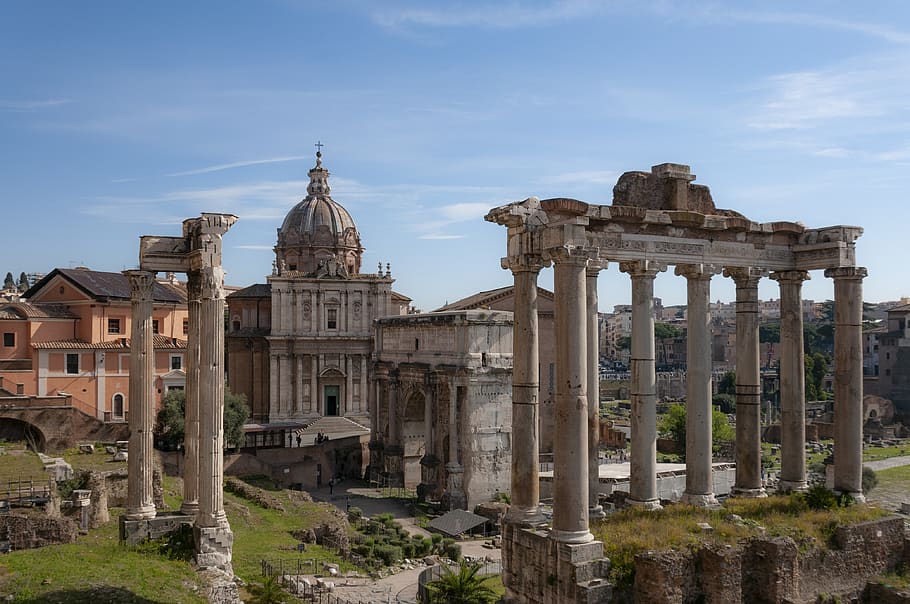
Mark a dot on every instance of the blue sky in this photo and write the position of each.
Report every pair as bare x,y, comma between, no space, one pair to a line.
119,119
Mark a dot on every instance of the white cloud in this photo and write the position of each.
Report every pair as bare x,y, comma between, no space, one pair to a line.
492,15
590,177
238,164
440,237
254,247
9,105
834,152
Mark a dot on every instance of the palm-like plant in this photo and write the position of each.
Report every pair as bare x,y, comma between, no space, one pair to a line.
463,586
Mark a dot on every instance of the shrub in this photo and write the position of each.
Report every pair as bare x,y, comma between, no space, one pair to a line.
818,498
436,538
453,551
389,554
870,479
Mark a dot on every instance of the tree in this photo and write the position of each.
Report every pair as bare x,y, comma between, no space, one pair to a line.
169,424
665,330
769,333
727,383
465,586
674,424
8,283
816,366
23,281
725,402
624,342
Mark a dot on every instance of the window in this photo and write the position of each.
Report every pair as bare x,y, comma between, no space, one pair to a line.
118,405
72,363
332,318
9,340
186,326
113,325
155,326
176,362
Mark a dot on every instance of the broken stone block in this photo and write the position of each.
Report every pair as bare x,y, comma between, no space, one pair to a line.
87,448
121,456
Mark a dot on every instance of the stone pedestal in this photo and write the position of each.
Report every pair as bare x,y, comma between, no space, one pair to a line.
454,497
214,547
429,477
394,466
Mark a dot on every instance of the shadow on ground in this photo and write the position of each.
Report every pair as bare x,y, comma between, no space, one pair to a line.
93,595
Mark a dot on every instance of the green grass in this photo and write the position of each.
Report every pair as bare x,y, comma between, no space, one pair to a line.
876,453
17,461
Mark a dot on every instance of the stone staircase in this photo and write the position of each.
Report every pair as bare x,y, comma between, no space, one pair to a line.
332,425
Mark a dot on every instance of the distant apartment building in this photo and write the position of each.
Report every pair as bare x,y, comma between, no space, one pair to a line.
69,336
893,360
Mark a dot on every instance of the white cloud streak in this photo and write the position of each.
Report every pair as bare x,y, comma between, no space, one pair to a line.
28,106
238,164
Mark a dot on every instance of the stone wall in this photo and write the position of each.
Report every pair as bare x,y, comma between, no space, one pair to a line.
27,532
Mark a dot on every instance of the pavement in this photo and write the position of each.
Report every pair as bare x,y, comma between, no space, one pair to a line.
402,585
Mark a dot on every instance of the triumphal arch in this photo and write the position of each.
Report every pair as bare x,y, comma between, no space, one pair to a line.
198,254
658,219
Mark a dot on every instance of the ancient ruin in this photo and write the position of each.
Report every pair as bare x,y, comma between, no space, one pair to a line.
659,219
198,254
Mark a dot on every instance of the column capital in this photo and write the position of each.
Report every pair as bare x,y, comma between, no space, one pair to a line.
141,284
642,268
211,282
790,276
524,263
697,271
847,272
745,276
571,254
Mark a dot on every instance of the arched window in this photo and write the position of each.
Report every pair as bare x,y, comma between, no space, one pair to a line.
118,406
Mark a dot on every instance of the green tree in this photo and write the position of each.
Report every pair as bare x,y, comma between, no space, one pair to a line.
23,281
673,424
816,367
727,383
769,332
665,330
169,424
8,283
725,402
624,343
465,586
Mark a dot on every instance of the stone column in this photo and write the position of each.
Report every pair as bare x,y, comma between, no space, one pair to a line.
284,383
525,509
848,380
363,384
699,481
348,387
454,497
429,462
376,446
394,451
595,510
190,503
792,382
274,406
748,383
213,534
298,390
140,497
643,466
314,384
570,454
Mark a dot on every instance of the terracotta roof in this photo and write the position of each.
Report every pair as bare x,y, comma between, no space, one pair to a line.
161,342
101,285
257,290
26,310
481,299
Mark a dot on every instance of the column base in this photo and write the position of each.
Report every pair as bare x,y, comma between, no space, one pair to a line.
572,537
857,496
702,500
792,486
748,493
190,508
525,516
214,547
145,512
596,513
646,504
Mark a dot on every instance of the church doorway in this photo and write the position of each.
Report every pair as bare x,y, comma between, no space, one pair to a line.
331,400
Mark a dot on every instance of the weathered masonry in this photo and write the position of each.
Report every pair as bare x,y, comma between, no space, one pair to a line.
198,254
659,219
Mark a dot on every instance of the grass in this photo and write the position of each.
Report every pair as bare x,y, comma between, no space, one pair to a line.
632,531
876,453
16,461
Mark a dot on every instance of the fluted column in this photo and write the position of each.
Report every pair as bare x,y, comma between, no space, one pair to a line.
284,384
748,383
643,470
298,385
848,380
570,469
274,378
348,387
314,384
140,497
792,382
525,507
211,395
699,481
190,503
595,510
363,385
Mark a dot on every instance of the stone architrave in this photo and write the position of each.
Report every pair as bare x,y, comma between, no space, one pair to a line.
643,466
524,509
699,481
748,383
140,496
792,382
190,503
595,510
848,380
570,455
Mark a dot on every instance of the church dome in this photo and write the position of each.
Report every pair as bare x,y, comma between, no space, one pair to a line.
319,232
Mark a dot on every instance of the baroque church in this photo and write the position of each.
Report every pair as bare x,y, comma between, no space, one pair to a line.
299,347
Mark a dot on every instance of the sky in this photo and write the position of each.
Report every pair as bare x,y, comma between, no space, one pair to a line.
122,119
